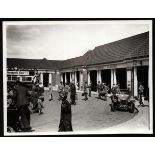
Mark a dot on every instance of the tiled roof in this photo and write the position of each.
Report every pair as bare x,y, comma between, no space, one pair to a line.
129,48
33,63
133,47
74,62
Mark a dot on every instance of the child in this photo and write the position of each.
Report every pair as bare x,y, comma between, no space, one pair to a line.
50,91
40,106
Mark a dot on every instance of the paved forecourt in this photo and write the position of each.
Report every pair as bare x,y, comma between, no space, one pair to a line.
90,115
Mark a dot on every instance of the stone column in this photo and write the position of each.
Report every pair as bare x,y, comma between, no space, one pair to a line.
129,78
57,78
88,77
61,77
99,76
75,77
41,78
81,79
112,77
50,78
70,76
65,77
135,82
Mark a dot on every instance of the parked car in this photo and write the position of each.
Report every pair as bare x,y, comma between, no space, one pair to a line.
123,101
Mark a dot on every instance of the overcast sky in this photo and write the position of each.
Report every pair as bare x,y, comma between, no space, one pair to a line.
63,41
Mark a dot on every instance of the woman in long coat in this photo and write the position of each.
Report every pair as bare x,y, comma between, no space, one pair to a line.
66,115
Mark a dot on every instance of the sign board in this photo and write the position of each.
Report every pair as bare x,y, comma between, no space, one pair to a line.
18,72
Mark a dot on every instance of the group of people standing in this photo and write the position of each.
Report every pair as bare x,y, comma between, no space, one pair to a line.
23,97
71,88
20,96
102,90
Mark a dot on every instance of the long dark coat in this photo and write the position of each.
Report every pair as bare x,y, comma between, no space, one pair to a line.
21,95
65,117
34,99
72,89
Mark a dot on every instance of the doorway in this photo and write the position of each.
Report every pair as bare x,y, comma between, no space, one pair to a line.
68,78
121,77
63,76
45,79
93,79
142,76
106,77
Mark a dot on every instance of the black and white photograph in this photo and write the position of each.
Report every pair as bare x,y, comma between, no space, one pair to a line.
76,77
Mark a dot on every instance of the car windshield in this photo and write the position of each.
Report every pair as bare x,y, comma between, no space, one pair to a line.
124,91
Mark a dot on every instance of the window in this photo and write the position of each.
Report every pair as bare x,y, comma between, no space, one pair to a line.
29,79
9,77
23,78
31,72
14,78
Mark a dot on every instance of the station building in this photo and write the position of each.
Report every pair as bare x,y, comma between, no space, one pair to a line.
25,70
125,61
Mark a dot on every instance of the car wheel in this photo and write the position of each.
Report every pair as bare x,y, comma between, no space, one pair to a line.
10,129
132,108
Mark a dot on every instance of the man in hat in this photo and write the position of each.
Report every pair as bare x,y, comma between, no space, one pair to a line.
51,92
21,101
85,91
99,89
60,89
66,89
89,86
141,90
72,92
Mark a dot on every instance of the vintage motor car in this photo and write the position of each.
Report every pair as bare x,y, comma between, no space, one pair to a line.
13,123
122,101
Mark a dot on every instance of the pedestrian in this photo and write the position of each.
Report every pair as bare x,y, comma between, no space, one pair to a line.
89,86
66,115
141,90
34,99
40,106
118,88
99,89
60,89
50,92
85,91
77,87
41,94
21,101
66,89
72,92
114,92
104,91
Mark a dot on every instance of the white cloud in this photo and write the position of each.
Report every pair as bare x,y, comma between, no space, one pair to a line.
64,41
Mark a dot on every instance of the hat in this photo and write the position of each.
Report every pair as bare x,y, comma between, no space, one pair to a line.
63,95
18,82
37,84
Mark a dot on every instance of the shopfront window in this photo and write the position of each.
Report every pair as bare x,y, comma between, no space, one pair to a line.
24,78
29,79
14,78
9,77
